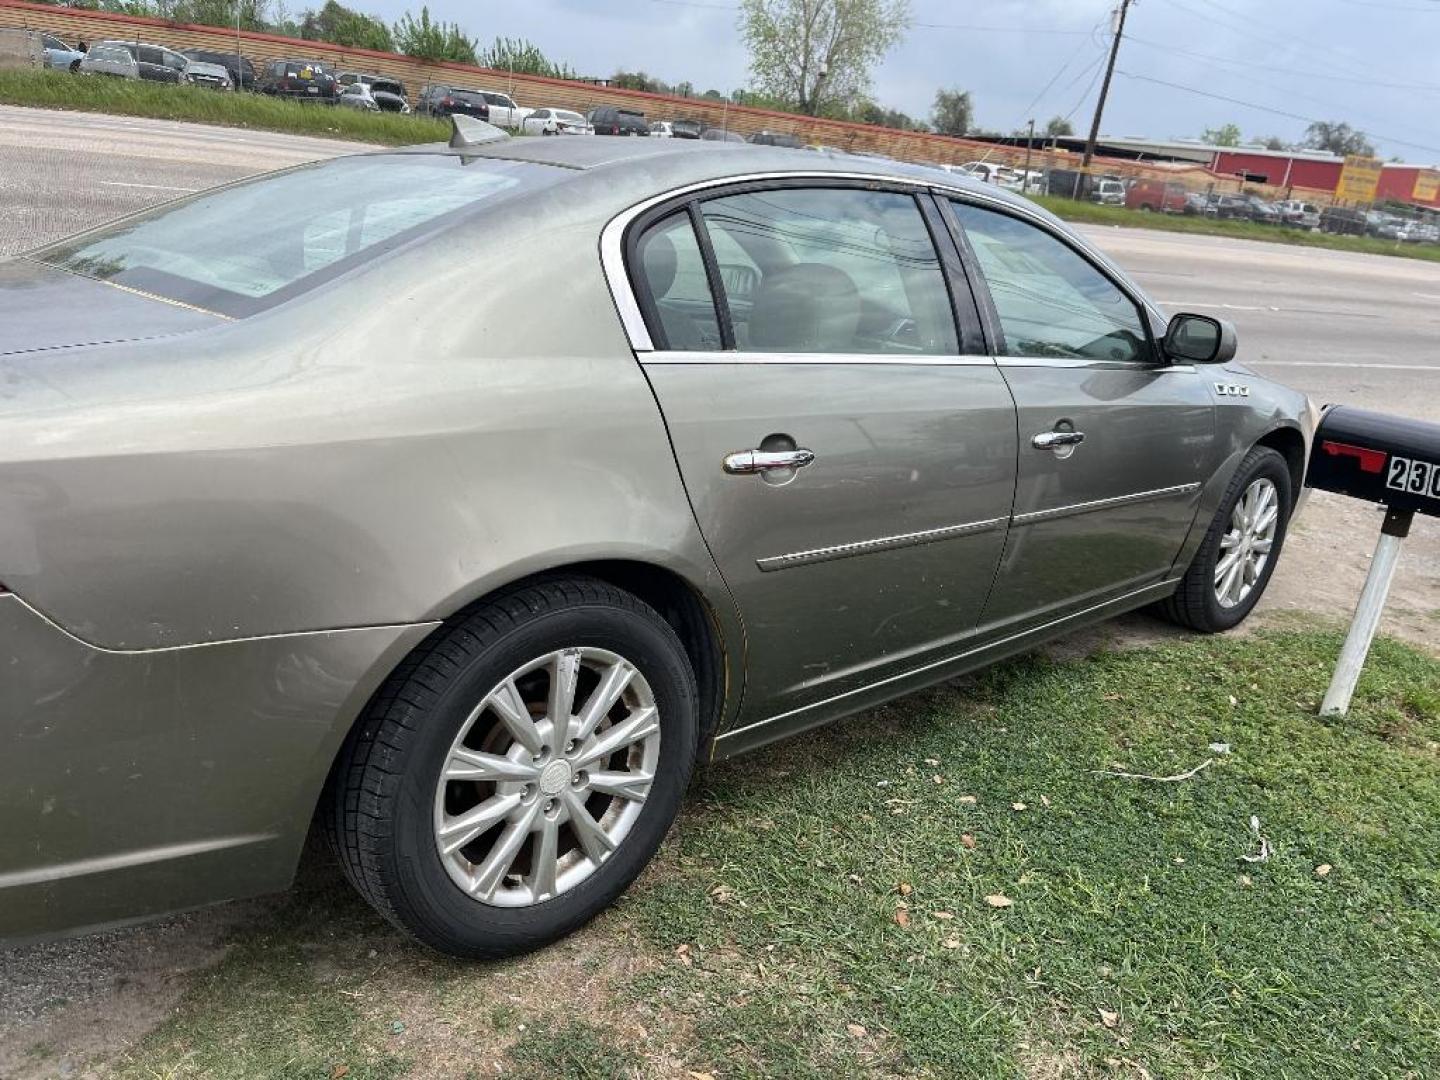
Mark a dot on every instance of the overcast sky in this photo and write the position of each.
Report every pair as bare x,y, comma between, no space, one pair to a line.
1373,63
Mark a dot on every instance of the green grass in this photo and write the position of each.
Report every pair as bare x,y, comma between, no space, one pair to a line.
766,941
61,90
1094,214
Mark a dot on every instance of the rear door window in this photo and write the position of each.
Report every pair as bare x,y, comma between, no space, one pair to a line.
830,270
670,272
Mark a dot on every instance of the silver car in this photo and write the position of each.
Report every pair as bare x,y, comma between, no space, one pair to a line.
465,497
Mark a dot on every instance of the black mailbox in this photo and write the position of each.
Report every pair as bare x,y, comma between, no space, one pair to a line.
1378,458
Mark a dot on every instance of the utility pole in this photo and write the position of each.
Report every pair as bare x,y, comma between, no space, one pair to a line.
1029,143
1105,86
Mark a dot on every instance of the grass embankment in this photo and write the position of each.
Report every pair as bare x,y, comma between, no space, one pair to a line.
94,93
1094,214
950,886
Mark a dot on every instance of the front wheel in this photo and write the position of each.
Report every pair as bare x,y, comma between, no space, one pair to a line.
1237,557
518,772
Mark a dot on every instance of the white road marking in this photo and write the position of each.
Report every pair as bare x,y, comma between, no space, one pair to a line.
1183,305
1346,364
1427,296
1227,307
152,187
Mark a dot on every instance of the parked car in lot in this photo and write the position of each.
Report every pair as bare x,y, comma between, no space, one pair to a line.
444,100
716,134
299,80
1300,214
1199,204
504,113
59,56
550,121
134,60
611,120
1264,212
1232,207
239,68
358,96
388,94
211,76
777,138
676,129
488,674
1157,196
1109,193
1343,221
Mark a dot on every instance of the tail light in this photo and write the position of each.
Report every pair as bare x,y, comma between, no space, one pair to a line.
615,129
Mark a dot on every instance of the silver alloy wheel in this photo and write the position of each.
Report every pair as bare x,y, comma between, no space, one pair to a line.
1245,547
547,776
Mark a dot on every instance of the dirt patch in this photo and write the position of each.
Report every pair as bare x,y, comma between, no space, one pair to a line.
67,1005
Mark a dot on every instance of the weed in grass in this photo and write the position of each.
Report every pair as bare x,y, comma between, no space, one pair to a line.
93,93
573,1051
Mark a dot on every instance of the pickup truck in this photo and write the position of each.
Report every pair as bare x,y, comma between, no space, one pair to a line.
503,110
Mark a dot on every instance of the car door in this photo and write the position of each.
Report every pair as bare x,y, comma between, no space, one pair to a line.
850,467
1114,442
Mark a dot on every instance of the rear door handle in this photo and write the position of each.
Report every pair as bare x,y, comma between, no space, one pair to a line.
758,461
1049,440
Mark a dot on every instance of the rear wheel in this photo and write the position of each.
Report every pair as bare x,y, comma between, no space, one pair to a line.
520,770
1237,557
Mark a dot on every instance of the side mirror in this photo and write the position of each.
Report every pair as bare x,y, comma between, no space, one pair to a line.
1199,339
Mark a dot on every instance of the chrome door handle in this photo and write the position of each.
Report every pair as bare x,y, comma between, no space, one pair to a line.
1049,440
758,461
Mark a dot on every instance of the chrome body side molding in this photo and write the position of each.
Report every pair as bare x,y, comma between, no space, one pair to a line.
1104,504
882,543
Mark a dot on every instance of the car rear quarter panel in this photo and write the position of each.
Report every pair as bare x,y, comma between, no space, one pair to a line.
221,542
383,452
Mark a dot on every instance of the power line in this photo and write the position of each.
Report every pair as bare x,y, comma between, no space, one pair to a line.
1273,111
1328,76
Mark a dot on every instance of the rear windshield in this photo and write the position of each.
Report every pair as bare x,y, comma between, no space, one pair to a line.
474,97
250,246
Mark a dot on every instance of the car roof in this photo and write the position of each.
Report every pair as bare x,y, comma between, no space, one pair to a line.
687,159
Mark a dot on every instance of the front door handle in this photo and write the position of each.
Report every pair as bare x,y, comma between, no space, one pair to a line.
1051,440
759,461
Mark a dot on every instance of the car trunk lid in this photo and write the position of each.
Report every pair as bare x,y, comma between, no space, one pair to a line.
42,307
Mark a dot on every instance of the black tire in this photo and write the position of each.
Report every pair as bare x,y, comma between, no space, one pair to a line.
1194,604
380,799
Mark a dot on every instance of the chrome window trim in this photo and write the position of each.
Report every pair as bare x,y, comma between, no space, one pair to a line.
1081,362
719,357
612,246
882,543
1036,516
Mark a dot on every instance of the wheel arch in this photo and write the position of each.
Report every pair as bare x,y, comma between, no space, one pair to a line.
1290,444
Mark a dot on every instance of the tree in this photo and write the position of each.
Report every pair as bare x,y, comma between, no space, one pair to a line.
525,57
342,26
1057,127
636,80
427,40
1338,138
871,113
816,55
1272,142
1229,135
953,112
